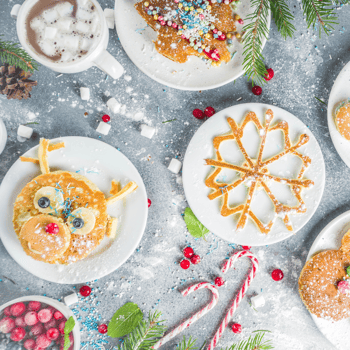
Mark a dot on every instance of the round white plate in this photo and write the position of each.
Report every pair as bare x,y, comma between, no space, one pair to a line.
101,163
338,333
340,92
195,172
137,40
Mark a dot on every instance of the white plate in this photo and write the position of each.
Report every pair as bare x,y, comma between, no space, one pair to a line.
195,172
338,333
340,92
100,163
137,40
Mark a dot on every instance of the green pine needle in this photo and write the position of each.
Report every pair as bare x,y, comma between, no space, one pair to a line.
187,345
145,335
12,54
255,342
283,18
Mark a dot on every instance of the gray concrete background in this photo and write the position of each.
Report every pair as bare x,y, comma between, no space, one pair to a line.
305,67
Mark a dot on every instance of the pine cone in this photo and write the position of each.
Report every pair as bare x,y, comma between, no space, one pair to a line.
14,82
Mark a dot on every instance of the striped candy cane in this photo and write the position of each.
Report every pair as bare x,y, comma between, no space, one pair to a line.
196,316
240,294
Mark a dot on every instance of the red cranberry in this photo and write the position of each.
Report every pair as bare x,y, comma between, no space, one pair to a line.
149,202
61,327
269,75
17,309
236,328
85,291
197,113
277,275
185,264
7,324
106,118
29,344
31,318
57,315
43,341
52,228
34,306
52,333
196,259
219,281
7,311
102,328
44,315
18,334
246,247
209,112
240,21
256,90
188,252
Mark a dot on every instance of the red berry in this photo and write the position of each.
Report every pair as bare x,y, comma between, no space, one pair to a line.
17,309
197,113
102,328
52,228
277,275
50,324
240,21
256,90
57,315
209,112
37,329
196,259
52,333
185,264
236,328
85,291
44,315
344,287
269,75
43,341
31,318
19,321
61,327
29,344
34,306
149,202
246,247
219,281
188,252
7,311
106,118
7,324
18,334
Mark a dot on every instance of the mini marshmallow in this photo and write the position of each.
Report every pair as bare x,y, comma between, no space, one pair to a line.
50,32
103,128
15,10
71,299
113,105
109,13
257,301
85,93
147,131
82,27
25,131
110,22
64,23
175,166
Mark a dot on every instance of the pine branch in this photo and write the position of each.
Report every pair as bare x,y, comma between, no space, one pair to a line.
12,54
255,31
187,345
145,335
256,342
283,17
321,13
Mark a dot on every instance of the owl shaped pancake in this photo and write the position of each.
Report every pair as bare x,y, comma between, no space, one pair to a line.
61,216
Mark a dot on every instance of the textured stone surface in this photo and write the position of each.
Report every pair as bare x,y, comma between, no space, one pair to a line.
305,67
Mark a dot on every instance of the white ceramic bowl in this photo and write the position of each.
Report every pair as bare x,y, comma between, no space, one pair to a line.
3,135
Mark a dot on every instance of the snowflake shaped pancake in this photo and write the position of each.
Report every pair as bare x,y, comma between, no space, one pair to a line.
256,171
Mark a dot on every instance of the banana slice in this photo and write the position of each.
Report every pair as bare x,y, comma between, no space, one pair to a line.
33,250
48,199
81,221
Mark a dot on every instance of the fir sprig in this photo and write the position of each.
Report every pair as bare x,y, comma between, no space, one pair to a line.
146,334
255,31
256,342
12,54
189,344
283,18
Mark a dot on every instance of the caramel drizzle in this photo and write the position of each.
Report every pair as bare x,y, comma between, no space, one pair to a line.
257,171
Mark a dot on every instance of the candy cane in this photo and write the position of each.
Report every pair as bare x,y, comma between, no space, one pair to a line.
240,294
196,316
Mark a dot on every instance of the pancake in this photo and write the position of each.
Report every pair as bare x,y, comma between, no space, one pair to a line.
318,285
40,245
342,119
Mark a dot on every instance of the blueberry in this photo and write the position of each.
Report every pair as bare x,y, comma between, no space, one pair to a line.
78,223
43,202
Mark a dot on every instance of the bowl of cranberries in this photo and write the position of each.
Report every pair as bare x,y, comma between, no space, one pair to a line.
35,323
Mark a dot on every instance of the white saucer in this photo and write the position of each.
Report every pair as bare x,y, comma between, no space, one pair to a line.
101,163
195,172
338,333
340,92
137,40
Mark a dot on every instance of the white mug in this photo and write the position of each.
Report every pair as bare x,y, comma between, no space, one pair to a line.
99,57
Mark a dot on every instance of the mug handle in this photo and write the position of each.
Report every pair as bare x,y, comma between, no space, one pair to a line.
107,63
15,10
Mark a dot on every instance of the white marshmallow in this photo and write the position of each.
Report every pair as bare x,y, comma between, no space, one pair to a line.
63,23
85,93
15,10
25,131
147,131
64,9
84,15
47,47
113,105
103,128
71,299
110,22
257,301
72,42
109,13
66,56
82,27
37,24
175,166
50,32
86,44
50,15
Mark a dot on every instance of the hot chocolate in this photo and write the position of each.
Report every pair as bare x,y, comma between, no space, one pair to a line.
63,31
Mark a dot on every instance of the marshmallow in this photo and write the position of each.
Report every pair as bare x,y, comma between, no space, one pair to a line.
64,23
103,128
257,301
175,166
64,9
110,22
113,105
15,10
85,93
50,32
50,15
82,27
25,131
147,131
48,48
71,299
